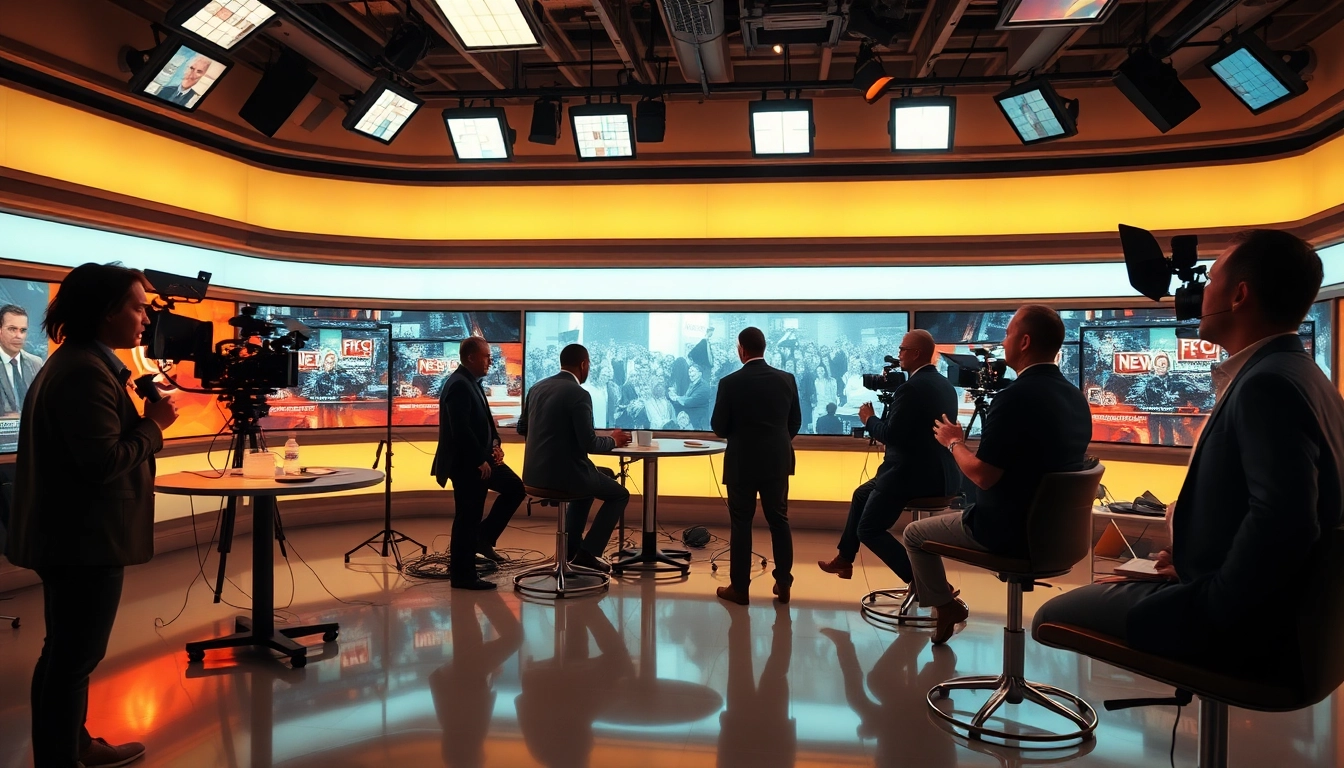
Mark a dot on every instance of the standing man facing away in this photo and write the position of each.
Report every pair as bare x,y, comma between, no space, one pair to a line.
757,412
20,366
1265,482
1038,424
557,420
470,455
84,499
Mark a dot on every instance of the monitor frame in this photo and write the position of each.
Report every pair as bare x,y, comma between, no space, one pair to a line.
162,54
783,105
468,113
1005,21
1059,105
924,101
365,102
616,108
1265,57
186,9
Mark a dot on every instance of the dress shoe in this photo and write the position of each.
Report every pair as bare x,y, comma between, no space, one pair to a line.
100,754
479,584
839,566
782,592
949,616
732,596
585,560
489,553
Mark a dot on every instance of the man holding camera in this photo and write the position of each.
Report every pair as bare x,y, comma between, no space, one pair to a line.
1038,424
914,465
1264,484
84,499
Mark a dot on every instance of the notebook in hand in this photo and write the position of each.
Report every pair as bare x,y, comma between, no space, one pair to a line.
1139,568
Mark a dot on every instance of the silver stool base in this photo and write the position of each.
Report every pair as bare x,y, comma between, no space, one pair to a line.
555,582
896,608
1014,690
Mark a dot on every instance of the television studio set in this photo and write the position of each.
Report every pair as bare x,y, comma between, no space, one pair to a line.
499,384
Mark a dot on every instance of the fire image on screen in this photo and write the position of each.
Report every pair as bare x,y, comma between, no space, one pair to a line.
422,367
660,370
342,382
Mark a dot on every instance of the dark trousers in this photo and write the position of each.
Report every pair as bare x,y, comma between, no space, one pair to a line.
79,605
873,510
614,497
741,509
470,532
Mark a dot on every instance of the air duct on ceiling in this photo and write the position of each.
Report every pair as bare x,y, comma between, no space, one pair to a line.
698,39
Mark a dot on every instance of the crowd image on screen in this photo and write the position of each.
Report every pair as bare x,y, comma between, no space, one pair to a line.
660,371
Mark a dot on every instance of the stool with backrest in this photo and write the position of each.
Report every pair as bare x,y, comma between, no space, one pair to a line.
896,608
561,579
1059,534
1320,626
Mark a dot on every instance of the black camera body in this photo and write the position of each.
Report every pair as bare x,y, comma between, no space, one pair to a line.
1150,272
887,382
979,372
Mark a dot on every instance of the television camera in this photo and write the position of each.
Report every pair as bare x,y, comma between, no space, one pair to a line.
887,382
1150,272
982,376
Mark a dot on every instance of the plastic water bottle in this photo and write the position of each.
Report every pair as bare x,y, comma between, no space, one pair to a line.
291,456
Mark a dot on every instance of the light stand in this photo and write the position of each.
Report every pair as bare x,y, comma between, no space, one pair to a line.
388,538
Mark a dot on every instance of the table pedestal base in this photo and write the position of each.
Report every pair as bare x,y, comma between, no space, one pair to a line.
649,557
280,640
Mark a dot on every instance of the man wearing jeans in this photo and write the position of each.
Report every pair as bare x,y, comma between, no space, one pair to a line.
1038,424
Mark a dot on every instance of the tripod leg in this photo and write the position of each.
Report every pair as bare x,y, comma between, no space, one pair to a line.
225,543
280,532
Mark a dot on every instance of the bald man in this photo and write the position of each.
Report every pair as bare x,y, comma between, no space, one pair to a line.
914,466
183,94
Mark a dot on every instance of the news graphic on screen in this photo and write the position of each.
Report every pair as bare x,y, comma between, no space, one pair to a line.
186,78
423,366
24,346
660,370
197,414
1029,12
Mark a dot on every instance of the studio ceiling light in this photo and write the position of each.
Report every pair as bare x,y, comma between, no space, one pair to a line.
484,25
479,134
922,123
1258,76
1055,13
782,127
870,78
223,23
382,111
545,127
1037,113
603,131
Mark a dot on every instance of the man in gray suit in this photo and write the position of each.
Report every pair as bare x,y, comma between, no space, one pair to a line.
557,420
20,366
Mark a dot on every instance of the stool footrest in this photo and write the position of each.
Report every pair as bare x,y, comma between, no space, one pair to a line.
1011,689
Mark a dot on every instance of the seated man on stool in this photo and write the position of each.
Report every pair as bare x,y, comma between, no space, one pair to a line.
914,465
469,453
557,420
1038,424
1263,484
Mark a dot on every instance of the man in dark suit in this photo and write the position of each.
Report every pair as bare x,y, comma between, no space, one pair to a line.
1264,483
470,455
184,94
829,424
1038,424
20,366
84,499
757,412
696,400
557,420
914,465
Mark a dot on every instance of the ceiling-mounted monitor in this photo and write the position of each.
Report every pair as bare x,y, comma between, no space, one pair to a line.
1055,13
180,73
222,23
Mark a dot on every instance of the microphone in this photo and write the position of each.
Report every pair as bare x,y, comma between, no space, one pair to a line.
1211,314
145,388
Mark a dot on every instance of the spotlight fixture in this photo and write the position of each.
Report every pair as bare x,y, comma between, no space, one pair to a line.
1153,86
603,131
782,127
1258,76
479,134
870,78
777,48
545,122
407,46
1037,113
492,25
222,23
283,86
650,121
1055,13
922,123
382,111
178,72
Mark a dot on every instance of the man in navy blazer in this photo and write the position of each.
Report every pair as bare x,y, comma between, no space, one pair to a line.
1264,482
470,454
757,412
557,420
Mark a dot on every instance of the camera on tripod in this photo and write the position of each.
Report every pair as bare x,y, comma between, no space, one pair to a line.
1150,272
979,372
887,382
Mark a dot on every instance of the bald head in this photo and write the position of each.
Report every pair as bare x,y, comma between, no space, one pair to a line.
916,350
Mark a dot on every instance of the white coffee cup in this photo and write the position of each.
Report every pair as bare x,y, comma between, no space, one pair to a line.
643,438
259,465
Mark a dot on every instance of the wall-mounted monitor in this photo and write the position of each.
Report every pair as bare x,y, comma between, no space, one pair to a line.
660,370
180,73
23,349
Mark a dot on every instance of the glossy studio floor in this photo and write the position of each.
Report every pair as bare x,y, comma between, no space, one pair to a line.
654,673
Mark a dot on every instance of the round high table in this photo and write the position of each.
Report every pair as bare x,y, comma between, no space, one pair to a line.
649,557
259,630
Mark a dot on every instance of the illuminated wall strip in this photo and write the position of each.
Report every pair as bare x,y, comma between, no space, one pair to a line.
57,141
44,242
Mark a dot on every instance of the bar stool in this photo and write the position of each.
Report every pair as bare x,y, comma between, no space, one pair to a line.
1059,534
561,579
895,608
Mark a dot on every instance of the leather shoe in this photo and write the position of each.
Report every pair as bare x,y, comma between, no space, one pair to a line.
840,567
489,553
479,584
100,754
782,592
949,616
732,596
585,560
